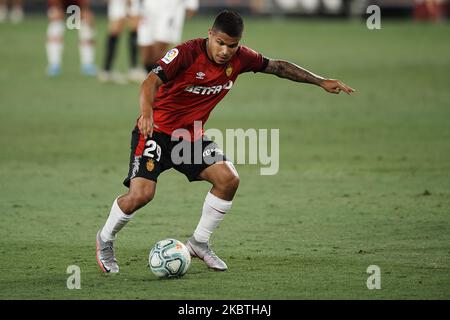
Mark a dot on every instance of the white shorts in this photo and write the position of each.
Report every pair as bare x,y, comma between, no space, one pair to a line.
162,21
119,9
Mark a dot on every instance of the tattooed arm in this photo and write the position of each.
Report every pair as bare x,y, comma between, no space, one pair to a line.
288,70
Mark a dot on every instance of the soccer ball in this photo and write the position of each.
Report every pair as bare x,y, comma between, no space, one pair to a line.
169,258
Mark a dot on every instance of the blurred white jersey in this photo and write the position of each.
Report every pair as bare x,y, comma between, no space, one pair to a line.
119,9
163,20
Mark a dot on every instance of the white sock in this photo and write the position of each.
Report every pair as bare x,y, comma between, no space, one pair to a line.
87,49
116,221
55,44
214,210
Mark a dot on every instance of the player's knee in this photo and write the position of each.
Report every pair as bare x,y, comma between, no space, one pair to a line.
55,14
234,183
115,28
141,197
87,17
229,183
144,197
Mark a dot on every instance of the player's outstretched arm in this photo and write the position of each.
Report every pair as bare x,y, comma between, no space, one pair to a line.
148,91
288,70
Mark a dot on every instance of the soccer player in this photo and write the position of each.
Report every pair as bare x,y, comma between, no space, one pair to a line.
162,25
55,36
121,12
188,82
16,13
429,10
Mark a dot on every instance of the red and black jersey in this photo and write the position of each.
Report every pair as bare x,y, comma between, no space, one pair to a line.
194,84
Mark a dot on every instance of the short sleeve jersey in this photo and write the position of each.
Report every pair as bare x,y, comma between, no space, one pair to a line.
193,84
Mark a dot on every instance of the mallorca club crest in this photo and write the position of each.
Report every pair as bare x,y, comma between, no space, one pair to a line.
150,165
229,70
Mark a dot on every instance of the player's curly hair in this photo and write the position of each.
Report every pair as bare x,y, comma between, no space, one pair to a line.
229,22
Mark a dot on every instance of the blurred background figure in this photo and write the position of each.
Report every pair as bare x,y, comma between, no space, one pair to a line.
429,10
120,13
55,36
15,11
162,25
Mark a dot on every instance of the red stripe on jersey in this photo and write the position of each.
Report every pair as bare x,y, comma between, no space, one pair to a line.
140,147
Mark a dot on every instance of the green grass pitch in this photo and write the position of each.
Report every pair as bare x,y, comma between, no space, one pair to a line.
363,180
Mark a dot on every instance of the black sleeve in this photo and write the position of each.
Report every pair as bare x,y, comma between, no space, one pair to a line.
158,70
264,65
